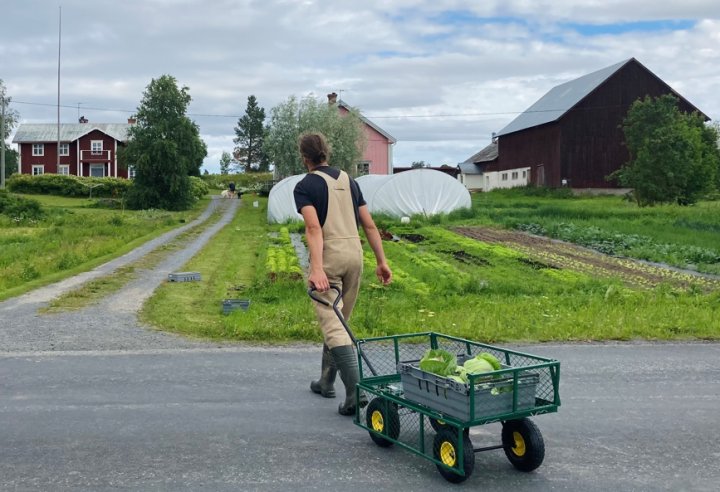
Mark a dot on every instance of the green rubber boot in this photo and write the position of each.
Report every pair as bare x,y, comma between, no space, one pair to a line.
347,364
325,385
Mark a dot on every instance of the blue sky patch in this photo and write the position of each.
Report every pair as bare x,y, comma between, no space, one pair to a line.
627,27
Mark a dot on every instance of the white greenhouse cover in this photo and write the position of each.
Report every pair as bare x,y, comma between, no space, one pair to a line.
417,192
281,202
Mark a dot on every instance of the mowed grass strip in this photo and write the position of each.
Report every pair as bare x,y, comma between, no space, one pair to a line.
73,238
96,290
228,265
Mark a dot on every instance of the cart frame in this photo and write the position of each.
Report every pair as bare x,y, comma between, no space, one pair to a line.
386,387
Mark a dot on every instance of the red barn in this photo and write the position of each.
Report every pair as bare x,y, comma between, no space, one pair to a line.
86,149
572,136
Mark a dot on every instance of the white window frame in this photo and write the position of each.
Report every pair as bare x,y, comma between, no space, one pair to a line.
38,169
97,166
363,168
38,150
65,149
64,169
503,177
514,175
131,172
93,148
524,174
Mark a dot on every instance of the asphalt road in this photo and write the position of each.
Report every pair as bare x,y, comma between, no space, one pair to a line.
634,417
94,400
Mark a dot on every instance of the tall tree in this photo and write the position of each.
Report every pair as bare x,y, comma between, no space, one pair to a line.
8,119
225,161
673,156
292,118
250,135
165,148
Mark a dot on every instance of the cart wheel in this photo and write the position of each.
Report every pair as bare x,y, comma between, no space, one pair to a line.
523,444
382,416
437,424
440,425
446,450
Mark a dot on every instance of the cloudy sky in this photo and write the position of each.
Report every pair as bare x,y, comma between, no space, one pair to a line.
438,75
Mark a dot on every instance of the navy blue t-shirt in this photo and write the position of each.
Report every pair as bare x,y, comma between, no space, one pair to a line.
313,190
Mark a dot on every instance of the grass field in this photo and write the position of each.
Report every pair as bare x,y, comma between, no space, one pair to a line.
454,284
474,273
74,236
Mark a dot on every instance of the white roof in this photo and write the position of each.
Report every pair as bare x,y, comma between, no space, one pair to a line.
69,132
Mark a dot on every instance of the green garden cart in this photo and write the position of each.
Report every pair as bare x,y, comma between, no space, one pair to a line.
431,415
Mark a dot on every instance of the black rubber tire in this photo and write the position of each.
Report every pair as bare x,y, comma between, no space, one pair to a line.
437,425
440,425
523,444
445,449
382,416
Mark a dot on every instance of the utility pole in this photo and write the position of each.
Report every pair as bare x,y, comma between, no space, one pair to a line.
2,140
57,169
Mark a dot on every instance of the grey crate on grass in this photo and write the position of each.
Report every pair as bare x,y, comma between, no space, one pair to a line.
230,305
184,276
492,397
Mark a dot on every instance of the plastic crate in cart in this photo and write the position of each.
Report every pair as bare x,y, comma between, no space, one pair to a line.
490,396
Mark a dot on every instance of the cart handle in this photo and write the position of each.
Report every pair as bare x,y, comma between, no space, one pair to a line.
311,292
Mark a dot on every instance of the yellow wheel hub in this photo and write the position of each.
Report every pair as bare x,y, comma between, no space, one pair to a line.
378,424
519,448
447,454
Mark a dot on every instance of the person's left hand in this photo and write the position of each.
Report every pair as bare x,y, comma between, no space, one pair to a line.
384,274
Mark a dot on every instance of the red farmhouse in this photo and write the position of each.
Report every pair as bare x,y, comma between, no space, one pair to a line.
86,149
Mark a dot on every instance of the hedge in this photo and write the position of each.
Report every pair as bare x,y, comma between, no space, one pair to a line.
73,186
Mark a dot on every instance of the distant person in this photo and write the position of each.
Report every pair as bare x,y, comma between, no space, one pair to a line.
333,207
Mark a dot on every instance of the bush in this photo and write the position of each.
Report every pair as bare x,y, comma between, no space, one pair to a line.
72,186
198,187
17,207
244,182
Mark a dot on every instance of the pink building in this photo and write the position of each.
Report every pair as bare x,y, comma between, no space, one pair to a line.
377,157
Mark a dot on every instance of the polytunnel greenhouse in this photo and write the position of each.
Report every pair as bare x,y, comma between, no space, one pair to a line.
281,202
417,192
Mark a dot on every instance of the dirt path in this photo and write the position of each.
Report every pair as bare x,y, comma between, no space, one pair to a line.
111,324
550,253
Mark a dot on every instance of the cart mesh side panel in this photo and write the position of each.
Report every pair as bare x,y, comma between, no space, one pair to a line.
406,429
381,357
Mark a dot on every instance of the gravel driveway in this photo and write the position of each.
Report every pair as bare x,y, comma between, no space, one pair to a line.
111,324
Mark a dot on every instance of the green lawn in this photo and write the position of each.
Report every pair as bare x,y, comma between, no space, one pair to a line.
74,237
445,282
499,295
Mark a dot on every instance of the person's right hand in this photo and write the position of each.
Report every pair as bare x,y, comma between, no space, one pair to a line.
319,281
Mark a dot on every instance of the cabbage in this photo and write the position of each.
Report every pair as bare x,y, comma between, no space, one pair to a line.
491,359
438,361
477,366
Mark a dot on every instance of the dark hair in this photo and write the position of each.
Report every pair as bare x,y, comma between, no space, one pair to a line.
314,147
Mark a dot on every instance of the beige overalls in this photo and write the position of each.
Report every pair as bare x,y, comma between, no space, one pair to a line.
342,259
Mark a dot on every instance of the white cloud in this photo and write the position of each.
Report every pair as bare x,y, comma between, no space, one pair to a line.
468,66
